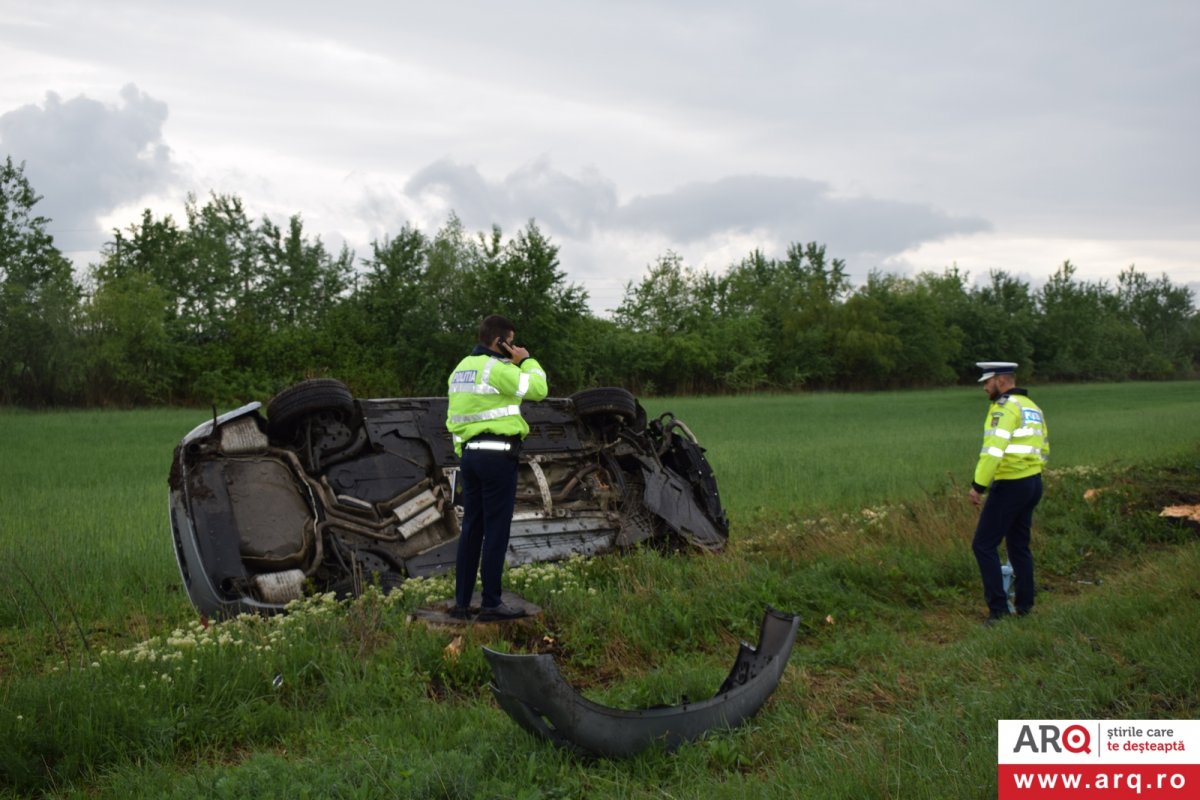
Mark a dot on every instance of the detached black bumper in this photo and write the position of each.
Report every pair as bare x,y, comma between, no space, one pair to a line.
531,690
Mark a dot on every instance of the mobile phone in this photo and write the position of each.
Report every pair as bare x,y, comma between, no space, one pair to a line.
505,346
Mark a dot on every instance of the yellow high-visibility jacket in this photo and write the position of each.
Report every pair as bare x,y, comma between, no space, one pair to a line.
486,393
1016,441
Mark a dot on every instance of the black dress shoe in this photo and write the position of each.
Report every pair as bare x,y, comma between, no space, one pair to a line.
500,612
459,612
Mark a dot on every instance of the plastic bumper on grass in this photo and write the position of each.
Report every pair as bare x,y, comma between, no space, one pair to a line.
531,690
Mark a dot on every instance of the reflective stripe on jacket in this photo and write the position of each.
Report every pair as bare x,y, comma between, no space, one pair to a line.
485,394
1016,441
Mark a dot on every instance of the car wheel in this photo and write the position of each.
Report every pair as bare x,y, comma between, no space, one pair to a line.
607,401
293,404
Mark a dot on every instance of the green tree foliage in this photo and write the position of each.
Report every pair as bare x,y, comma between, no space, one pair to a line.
418,305
671,314
224,309
797,322
897,334
1164,317
407,318
1080,333
391,317
1003,320
796,303
138,316
522,279
39,302
129,354
216,311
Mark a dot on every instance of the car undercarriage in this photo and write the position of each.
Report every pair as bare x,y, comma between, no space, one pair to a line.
328,492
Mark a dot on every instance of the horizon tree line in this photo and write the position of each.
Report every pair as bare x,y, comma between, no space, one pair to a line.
222,308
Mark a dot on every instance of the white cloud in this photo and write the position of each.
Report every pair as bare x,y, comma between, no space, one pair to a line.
909,135
86,158
1035,258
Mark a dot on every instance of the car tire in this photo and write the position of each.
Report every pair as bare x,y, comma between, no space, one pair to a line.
293,404
606,401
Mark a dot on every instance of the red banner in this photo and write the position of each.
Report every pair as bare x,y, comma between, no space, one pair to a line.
1103,782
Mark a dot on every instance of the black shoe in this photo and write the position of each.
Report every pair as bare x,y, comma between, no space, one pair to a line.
500,612
459,612
995,618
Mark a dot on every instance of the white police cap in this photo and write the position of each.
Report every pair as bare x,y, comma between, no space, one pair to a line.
994,368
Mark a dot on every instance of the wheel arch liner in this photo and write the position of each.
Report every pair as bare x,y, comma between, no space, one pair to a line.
533,692
671,497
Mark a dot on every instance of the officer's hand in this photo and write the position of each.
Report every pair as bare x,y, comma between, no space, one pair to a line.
974,496
519,353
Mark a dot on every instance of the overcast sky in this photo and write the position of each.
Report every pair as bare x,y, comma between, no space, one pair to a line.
905,136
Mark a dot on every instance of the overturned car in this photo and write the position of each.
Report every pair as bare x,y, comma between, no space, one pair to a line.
330,493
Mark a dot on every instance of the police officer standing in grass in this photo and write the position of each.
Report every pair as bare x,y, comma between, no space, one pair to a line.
484,418
1016,445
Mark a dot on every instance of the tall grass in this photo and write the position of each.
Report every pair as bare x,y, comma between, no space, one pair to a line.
893,689
83,525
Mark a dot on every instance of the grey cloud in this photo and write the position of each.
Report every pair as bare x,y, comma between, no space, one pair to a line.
569,206
87,158
463,189
793,210
378,209
785,209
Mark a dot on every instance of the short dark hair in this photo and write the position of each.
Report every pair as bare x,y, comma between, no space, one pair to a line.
494,327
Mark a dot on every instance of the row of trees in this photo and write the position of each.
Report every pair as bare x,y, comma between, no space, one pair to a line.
224,309
798,322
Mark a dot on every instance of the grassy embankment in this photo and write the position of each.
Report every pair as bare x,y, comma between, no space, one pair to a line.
844,511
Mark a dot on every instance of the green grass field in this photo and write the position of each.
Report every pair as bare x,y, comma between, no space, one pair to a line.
783,454
108,689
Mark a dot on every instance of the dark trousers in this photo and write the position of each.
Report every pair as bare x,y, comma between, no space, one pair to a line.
489,481
1007,515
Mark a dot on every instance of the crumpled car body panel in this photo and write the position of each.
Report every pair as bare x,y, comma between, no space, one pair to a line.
533,692
329,492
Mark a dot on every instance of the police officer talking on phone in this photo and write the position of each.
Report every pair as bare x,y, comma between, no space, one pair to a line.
484,419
